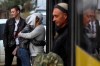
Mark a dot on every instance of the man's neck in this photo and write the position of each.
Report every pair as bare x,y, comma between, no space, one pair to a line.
63,25
17,18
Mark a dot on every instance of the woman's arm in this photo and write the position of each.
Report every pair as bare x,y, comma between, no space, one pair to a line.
37,31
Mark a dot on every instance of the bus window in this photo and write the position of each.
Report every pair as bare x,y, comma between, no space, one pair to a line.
88,27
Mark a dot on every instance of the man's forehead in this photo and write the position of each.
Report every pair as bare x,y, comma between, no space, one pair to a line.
57,11
88,11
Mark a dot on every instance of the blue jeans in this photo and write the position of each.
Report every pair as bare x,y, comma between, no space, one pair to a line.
24,56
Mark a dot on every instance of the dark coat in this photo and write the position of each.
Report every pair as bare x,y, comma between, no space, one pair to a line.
9,31
62,47
85,42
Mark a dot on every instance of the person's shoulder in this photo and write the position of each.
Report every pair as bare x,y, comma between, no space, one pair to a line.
9,20
41,26
22,19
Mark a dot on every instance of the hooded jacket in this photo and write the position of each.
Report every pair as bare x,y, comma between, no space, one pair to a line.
38,33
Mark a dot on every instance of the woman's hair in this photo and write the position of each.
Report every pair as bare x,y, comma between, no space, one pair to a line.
38,19
39,15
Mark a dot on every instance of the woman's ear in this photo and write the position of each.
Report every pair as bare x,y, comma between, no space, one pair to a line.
37,19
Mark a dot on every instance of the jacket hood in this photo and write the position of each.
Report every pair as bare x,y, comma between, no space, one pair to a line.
31,19
40,16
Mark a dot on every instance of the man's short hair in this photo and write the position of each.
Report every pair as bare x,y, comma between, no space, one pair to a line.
16,7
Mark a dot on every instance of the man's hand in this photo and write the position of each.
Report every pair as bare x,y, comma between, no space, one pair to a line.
19,34
15,51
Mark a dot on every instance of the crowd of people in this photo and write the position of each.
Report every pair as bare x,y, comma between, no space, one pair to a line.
26,40
23,39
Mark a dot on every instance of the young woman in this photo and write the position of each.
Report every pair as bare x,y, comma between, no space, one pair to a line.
38,34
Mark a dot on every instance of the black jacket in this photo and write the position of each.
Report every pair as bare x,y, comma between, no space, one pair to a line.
62,47
85,41
9,31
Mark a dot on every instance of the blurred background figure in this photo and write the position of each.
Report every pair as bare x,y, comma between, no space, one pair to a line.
90,31
94,28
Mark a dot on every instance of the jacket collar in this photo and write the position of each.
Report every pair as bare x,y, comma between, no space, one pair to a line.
61,30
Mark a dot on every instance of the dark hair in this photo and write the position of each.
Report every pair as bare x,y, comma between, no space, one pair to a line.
16,7
37,18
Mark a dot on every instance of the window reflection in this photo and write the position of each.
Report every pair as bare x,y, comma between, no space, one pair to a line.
90,29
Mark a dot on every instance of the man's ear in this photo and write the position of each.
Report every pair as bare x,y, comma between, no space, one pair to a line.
37,20
65,15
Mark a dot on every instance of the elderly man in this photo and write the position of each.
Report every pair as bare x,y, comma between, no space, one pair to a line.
61,44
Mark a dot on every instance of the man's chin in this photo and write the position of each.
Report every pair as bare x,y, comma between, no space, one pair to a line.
57,25
12,17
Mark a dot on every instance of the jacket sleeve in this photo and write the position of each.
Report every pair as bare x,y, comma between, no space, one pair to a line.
5,35
37,31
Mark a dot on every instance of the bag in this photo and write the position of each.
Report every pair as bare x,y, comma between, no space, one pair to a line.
50,59
38,43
